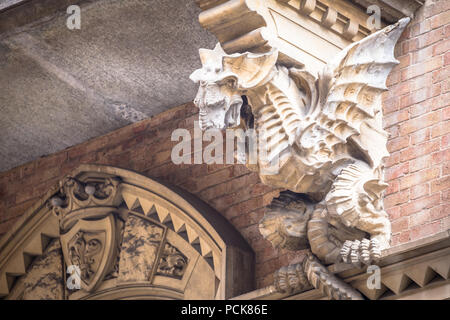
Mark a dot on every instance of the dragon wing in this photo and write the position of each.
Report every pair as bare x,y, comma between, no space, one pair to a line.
349,103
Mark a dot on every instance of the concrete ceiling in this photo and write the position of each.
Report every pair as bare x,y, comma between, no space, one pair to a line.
60,87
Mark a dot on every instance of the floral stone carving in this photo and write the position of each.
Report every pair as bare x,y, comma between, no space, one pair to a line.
173,263
89,245
327,135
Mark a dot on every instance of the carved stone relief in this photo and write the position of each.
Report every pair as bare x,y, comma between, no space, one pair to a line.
173,263
140,248
326,132
90,245
128,236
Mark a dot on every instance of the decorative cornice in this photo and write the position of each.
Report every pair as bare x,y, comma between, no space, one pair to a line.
338,16
416,270
393,10
306,32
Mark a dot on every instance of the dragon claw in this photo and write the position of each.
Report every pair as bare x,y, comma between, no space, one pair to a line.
291,278
357,252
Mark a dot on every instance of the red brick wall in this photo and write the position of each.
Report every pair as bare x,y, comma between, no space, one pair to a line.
416,115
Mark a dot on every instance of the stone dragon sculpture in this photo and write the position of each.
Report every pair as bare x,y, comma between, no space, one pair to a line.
327,135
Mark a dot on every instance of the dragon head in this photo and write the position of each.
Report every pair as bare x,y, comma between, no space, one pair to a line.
285,221
223,79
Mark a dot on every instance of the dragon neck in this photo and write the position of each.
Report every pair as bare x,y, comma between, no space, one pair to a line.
278,106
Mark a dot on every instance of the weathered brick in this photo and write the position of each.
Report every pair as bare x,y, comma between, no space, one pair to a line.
400,224
396,199
420,205
6,226
16,211
419,123
419,109
439,157
430,37
446,112
229,186
420,163
422,68
251,232
395,118
441,47
419,191
440,19
393,159
393,132
394,213
404,237
445,225
214,178
425,230
440,212
422,81
393,78
390,105
420,28
440,129
248,219
420,136
397,144
447,59
404,60
419,150
445,141
244,207
394,186
418,177
440,184
441,74
446,168
410,45
422,54
396,171
419,218
435,8
445,86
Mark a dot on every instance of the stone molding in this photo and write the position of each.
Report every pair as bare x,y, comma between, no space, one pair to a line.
416,270
130,236
306,32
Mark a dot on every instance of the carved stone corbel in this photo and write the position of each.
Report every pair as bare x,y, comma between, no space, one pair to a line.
326,134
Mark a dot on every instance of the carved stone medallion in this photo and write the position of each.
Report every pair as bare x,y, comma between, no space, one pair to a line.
89,245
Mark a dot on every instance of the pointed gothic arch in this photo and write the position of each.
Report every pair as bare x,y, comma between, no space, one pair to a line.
126,236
